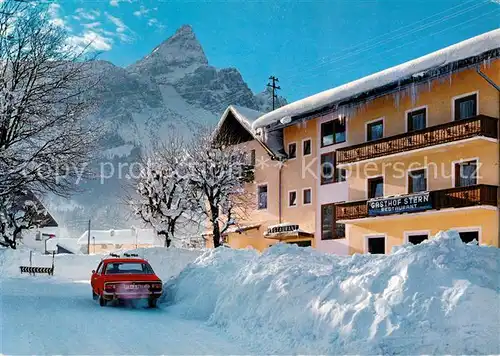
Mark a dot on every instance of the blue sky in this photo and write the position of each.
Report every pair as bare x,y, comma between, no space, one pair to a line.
309,45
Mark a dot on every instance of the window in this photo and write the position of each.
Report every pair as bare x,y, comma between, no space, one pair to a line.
375,130
375,187
466,107
292,198
128,268
417,181
307,196
327,217
262,197
303,243
99,268
417,238
332,132
466,174
340,175
252,157
376,245
327,168
330,229
469,236
292,150
306,147
417,120
340,231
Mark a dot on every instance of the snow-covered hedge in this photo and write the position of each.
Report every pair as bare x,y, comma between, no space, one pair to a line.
437,297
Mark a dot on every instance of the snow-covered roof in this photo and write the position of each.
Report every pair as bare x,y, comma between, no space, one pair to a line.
469,48
125,236
70,244
246,117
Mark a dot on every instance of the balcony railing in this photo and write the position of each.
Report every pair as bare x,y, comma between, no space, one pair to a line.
441,199
480,125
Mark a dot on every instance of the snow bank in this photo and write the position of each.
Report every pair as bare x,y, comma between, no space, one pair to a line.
165,262
437,297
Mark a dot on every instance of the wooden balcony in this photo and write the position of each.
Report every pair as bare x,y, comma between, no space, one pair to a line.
441,199
480,125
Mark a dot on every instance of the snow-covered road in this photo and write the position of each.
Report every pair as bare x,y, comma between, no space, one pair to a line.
44,316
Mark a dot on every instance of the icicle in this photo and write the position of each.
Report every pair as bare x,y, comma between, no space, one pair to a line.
397,99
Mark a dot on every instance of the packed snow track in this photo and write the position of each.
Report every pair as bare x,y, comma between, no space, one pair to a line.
44,316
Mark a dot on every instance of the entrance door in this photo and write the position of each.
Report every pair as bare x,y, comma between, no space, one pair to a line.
304,243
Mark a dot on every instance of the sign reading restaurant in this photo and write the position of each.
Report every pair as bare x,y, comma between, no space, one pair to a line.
396,205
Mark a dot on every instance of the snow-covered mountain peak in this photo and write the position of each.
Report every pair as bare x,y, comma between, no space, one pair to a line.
175,57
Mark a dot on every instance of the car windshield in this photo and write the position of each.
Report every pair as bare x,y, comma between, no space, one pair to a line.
128,268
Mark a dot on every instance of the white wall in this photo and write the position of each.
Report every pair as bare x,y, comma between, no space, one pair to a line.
330,193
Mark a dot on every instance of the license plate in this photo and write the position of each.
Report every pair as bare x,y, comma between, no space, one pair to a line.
136,286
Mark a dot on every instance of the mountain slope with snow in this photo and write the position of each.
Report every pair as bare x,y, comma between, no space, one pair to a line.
171,90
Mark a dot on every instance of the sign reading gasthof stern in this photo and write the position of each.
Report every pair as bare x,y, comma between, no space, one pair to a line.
397,205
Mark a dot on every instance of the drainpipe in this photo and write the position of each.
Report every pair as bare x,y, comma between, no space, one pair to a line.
488,79
494,85
279,192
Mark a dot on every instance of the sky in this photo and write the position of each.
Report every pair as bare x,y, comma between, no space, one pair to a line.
309,45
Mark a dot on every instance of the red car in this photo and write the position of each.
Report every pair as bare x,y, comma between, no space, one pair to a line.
122,278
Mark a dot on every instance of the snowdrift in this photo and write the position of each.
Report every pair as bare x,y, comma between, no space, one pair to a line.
165,262
438,297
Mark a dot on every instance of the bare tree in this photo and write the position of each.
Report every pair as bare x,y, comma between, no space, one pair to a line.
162,197
217,176
45,141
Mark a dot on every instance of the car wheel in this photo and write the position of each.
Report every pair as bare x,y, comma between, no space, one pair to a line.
152,302
102,301
94,295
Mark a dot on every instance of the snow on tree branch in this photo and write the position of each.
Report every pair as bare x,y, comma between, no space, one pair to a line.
46,143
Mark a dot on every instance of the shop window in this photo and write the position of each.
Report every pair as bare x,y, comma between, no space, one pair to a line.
376,245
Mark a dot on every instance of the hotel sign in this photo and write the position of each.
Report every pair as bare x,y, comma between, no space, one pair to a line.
396,205
279,229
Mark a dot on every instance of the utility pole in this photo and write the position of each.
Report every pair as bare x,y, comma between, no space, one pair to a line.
274,87
88,240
